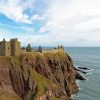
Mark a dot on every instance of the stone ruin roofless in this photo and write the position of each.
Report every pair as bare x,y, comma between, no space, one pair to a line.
53,50
12,48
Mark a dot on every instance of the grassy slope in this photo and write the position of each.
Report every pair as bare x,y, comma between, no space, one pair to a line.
8,96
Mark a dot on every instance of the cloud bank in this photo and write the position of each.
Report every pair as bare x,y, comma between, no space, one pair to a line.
68,22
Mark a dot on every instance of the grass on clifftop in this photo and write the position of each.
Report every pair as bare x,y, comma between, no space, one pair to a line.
57,55
5,59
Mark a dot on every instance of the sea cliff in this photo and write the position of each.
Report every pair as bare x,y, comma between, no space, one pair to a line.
37,76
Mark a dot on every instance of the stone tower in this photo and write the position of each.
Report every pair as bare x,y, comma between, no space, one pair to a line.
9,48
15,47
5,48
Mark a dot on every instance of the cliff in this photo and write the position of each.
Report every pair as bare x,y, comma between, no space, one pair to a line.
48,76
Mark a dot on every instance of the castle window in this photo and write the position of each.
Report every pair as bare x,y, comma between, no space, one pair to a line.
8,48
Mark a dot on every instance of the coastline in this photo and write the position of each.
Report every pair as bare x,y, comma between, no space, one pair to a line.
36,68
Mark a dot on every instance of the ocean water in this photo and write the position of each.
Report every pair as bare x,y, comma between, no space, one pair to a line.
87,57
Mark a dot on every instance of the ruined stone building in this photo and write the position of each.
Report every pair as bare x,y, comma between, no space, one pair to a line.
53,50
10,48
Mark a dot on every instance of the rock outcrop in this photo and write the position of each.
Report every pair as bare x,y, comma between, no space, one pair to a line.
48,76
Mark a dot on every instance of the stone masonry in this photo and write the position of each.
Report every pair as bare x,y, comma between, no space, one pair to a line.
10,48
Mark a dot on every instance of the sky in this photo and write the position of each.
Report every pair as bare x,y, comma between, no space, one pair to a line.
71,23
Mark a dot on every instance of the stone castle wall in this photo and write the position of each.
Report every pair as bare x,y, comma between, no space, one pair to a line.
53,50
9,48
2,48
12,48
5,48
15,47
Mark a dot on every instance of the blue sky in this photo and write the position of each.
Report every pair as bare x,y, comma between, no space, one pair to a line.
51,22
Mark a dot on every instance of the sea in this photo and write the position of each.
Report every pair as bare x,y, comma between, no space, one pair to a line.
89,57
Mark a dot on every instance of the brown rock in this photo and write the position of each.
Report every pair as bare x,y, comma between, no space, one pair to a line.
54,76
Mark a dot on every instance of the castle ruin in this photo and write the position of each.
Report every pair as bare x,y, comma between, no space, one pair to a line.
10,48
53,50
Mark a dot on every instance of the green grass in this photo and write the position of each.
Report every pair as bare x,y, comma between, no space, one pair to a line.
8,96
5,59
43,83
58,55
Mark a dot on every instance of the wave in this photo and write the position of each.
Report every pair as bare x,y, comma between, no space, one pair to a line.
75,96
87,70
90,70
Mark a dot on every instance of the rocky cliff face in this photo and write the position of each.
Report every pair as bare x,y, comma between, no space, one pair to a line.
49,76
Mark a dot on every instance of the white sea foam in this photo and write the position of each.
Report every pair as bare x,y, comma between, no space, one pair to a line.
90,70
74,96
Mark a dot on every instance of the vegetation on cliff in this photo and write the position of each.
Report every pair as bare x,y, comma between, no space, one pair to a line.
36,76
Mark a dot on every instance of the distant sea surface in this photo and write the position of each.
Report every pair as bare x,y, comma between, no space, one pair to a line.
87,57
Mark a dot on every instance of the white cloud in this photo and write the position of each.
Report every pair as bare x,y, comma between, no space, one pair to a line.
38,17
73,20
42,30
14,9
67,21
